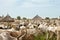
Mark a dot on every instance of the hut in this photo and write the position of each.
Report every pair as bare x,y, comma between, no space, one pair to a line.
37,19
7,20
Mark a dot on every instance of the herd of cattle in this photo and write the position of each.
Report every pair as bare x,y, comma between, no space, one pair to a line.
12,34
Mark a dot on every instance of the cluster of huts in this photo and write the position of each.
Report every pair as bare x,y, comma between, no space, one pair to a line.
16,29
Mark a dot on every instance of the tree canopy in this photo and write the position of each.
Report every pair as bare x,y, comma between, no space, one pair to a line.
18,17
24,18
47,18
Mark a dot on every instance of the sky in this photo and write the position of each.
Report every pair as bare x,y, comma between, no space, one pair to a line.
30,8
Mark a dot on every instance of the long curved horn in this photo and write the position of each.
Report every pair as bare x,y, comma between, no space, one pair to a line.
22,35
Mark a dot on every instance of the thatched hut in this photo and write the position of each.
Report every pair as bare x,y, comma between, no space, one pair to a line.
7,19
37,19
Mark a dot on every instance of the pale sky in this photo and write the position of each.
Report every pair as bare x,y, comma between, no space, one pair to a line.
30,8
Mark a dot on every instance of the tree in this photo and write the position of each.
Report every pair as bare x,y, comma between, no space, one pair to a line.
18,17
47,18
24,18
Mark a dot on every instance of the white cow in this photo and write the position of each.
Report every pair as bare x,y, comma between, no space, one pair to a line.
42,27
9,35
30,26
12,29
6,36
47,28
22,27
31,31
53,29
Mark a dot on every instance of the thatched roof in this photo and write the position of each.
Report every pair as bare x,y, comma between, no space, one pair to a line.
7,19
37,18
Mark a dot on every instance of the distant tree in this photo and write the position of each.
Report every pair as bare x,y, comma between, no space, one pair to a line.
24,18
18,17
47,18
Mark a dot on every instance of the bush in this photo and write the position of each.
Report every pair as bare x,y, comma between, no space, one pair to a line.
40,37
43,37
